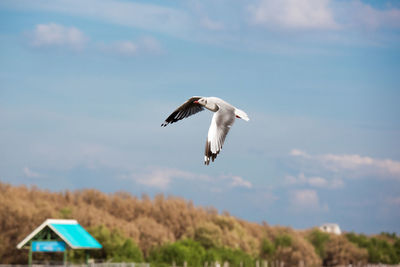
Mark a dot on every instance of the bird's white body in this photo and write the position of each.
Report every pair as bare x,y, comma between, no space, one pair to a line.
223,119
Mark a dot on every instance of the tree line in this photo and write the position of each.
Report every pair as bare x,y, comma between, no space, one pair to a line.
170,229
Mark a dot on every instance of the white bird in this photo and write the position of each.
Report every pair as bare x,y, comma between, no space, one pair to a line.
222,121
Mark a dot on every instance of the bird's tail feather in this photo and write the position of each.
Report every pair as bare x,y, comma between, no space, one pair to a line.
241,114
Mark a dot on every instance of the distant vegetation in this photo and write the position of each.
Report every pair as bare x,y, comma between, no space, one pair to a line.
170,229
384,248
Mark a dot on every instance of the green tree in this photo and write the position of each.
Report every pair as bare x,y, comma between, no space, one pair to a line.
209,235
318,239
340,251
233,256
283,240
379,250
267,249
116,247
195,255
66,213
179,252
396,247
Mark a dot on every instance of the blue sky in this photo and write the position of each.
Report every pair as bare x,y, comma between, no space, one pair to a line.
85,85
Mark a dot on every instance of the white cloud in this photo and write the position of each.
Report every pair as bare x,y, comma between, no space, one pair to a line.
55,35
354,162
125,47
226,22
30,173
158,179
132,14
318,182
147,44
297,152
52,34
238,181
290,180
293,14
305,199
150,44
393,201
212,24
321,14
314,181
352,165
161,178
357,14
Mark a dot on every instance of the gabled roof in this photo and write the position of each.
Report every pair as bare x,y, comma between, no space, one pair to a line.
69,231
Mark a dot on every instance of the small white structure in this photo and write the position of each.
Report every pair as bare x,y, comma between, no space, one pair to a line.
331,228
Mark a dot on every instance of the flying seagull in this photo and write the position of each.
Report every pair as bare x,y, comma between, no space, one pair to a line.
223,119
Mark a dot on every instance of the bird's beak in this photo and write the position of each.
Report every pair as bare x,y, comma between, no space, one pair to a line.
196,102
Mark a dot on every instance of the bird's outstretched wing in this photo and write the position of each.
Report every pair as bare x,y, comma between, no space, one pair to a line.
220,125
185,110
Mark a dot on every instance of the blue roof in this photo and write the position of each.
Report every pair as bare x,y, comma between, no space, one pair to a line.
75,235
70,231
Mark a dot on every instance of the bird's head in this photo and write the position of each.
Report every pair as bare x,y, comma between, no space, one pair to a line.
201,101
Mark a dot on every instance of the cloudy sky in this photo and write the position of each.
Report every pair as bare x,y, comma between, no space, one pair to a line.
85,85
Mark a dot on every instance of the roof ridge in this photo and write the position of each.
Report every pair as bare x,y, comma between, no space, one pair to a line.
62,221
